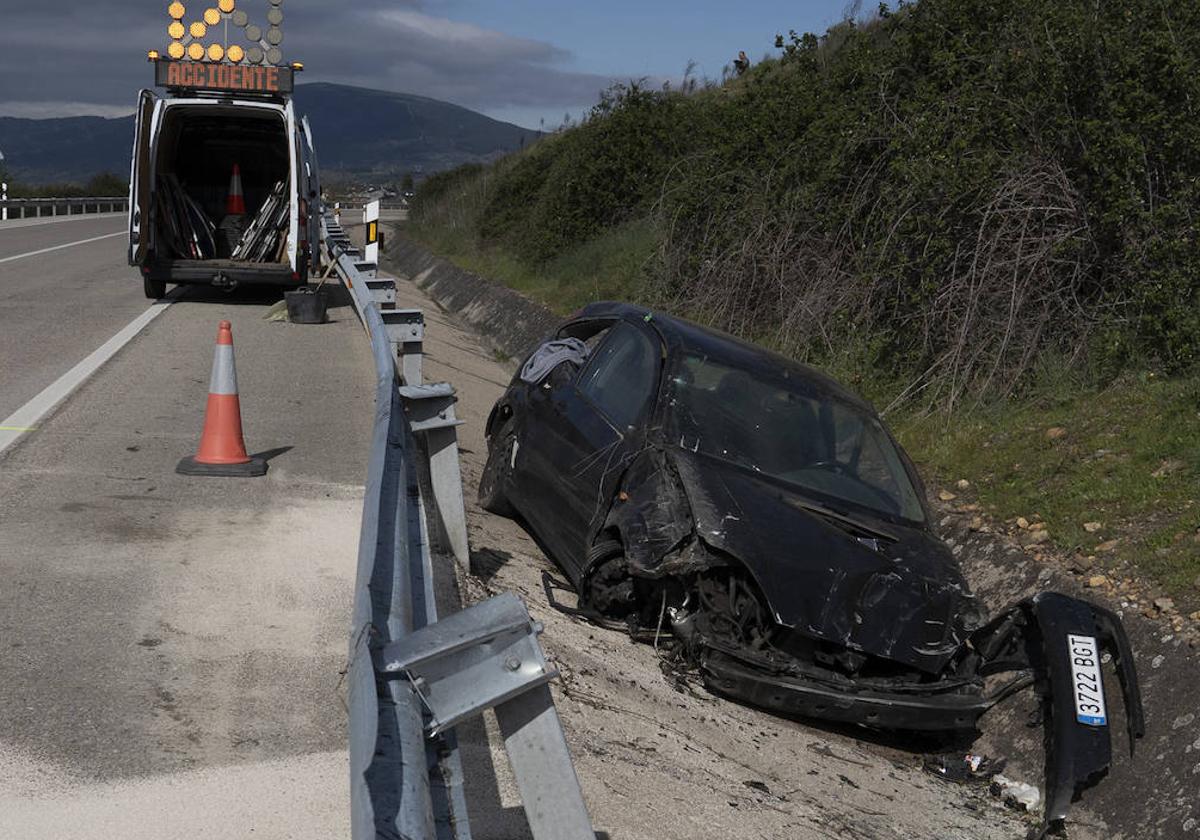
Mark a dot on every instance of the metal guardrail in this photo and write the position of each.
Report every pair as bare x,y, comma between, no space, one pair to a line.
9,207
412,678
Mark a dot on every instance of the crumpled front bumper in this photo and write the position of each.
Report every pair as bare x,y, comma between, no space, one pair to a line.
1030,639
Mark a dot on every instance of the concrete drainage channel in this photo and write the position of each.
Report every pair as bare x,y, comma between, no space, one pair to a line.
413,677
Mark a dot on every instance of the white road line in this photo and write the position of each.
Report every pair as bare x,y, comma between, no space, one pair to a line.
60,247
25,418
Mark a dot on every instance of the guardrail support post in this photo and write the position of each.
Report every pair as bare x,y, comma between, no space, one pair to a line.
488,656
406,331
541,763
431,415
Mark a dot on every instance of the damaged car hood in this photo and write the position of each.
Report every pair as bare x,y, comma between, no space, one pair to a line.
888,590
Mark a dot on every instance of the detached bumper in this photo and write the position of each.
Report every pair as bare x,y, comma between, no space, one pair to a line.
934,712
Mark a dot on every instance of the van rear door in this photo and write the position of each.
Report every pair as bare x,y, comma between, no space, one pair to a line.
141,179
312,190
295,233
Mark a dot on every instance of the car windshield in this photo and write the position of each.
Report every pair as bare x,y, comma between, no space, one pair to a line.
783,429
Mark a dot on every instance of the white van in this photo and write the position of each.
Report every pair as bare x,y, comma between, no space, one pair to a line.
186,144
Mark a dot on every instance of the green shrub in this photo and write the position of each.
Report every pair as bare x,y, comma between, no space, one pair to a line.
939,198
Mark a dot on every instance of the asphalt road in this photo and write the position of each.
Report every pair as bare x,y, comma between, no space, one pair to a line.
58,306
172,646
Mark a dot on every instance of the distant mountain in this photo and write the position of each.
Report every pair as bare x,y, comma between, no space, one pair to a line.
359,132
363,131
68,149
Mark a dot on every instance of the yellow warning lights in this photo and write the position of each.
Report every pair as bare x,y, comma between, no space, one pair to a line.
152,55
205,39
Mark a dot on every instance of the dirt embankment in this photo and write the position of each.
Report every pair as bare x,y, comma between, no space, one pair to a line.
664,759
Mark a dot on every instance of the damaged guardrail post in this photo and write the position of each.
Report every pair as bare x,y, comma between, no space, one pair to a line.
431,415
487,656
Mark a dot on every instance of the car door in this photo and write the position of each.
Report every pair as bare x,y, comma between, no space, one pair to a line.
141,178
582,433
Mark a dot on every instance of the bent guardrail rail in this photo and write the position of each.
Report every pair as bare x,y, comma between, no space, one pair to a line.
70,206
413,677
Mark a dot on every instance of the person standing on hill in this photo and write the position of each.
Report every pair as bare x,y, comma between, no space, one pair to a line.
741,64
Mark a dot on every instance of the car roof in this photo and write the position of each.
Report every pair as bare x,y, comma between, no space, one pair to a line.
687,336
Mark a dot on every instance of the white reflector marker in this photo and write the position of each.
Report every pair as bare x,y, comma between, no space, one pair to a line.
371,221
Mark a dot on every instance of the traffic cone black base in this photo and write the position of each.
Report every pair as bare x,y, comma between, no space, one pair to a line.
251,469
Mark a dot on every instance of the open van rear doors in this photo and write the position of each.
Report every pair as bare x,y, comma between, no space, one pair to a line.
141,179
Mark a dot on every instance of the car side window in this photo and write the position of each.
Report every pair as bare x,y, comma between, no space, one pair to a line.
622,376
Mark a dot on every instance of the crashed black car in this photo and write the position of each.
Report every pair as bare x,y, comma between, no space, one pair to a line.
691,484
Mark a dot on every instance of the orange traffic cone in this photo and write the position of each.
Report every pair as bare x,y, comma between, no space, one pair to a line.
222,450
235,204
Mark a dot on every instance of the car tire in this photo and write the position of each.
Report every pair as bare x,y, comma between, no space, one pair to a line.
154,289
497,473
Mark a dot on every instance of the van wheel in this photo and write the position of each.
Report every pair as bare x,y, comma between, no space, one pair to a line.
154,289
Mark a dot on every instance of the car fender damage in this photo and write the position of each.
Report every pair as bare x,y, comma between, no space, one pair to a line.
885,643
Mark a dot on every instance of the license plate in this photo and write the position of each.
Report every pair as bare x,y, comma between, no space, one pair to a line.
1085,680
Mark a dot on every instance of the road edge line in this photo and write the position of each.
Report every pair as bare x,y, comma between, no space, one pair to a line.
25,419
60,247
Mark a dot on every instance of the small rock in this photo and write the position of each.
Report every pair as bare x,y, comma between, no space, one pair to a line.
1107,546
962,484
1167,467
1081,563
1164,604
1157,661
1195,616
1037,526
1055,433
976,524
1022,523
947,496
1092,527
1096,581
1037,537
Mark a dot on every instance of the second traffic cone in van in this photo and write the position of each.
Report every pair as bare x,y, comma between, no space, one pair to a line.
222,451
235,204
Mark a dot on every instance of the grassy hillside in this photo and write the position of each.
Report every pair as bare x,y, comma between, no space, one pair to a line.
980,214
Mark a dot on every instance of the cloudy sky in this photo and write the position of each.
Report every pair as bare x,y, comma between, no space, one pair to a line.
520,60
